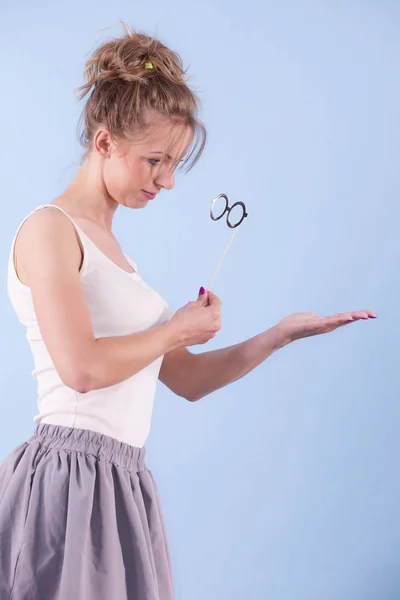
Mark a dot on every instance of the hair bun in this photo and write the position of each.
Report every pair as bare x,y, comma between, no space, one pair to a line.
127,59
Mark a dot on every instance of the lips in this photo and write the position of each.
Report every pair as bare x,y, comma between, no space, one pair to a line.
148,195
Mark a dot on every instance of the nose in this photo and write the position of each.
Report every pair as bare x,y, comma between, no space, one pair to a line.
166,179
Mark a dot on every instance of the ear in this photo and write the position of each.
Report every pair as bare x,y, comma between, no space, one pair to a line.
102,142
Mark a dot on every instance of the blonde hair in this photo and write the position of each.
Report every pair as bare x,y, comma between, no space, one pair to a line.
129,75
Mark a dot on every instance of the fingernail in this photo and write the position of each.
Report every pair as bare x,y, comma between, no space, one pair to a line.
201,291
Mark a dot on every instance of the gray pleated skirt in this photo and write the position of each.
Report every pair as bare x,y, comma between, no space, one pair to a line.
80,519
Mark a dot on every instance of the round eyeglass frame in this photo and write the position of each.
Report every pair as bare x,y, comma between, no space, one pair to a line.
228,210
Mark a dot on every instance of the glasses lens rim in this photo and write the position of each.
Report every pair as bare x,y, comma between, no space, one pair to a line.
241,204
214,218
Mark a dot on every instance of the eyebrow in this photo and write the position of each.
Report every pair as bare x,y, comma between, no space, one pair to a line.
159,152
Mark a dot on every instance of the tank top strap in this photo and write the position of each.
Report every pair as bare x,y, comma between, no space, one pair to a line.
78,230
81,236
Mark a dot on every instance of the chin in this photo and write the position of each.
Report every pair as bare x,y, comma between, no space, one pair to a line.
138,202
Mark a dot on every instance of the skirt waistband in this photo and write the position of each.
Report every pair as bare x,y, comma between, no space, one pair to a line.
97,444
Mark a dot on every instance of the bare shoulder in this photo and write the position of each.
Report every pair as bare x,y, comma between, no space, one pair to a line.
47,240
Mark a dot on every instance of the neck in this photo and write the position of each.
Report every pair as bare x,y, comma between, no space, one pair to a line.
87,197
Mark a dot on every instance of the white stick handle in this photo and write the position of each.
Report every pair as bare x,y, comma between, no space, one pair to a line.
222,258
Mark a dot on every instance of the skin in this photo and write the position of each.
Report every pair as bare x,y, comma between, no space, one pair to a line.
48,258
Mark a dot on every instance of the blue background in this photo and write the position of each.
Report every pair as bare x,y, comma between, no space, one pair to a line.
285,484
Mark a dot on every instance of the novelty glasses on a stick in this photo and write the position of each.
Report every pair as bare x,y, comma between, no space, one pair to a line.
235,215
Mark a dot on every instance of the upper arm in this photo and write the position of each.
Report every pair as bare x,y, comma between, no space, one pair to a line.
48,257
177,370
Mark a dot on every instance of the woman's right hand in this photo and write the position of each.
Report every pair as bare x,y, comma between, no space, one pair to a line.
198,321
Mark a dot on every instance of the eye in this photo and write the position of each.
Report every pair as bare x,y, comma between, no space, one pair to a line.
153,161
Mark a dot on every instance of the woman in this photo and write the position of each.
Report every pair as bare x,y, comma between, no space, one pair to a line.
79,511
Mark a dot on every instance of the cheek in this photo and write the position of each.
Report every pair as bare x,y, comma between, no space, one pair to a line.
120,178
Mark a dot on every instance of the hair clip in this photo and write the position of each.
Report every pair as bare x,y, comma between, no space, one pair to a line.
148,65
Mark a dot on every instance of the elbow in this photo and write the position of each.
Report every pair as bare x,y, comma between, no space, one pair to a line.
78,380
192,397
82,385
185,394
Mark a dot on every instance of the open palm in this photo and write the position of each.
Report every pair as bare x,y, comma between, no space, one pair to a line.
301,325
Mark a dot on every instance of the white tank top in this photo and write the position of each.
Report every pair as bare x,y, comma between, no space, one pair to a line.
119,303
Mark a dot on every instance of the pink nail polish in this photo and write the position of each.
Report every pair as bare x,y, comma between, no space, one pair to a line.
202,290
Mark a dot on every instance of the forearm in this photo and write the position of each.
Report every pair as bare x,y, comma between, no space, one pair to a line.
114,359
218,368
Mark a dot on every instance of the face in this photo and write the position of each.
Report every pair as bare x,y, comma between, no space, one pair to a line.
135,171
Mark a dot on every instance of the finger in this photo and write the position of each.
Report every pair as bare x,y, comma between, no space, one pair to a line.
363,314
370,314
341,319
350,317
213,299
326,324
202,298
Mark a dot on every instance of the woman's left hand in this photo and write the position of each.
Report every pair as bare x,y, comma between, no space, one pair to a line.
302,325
